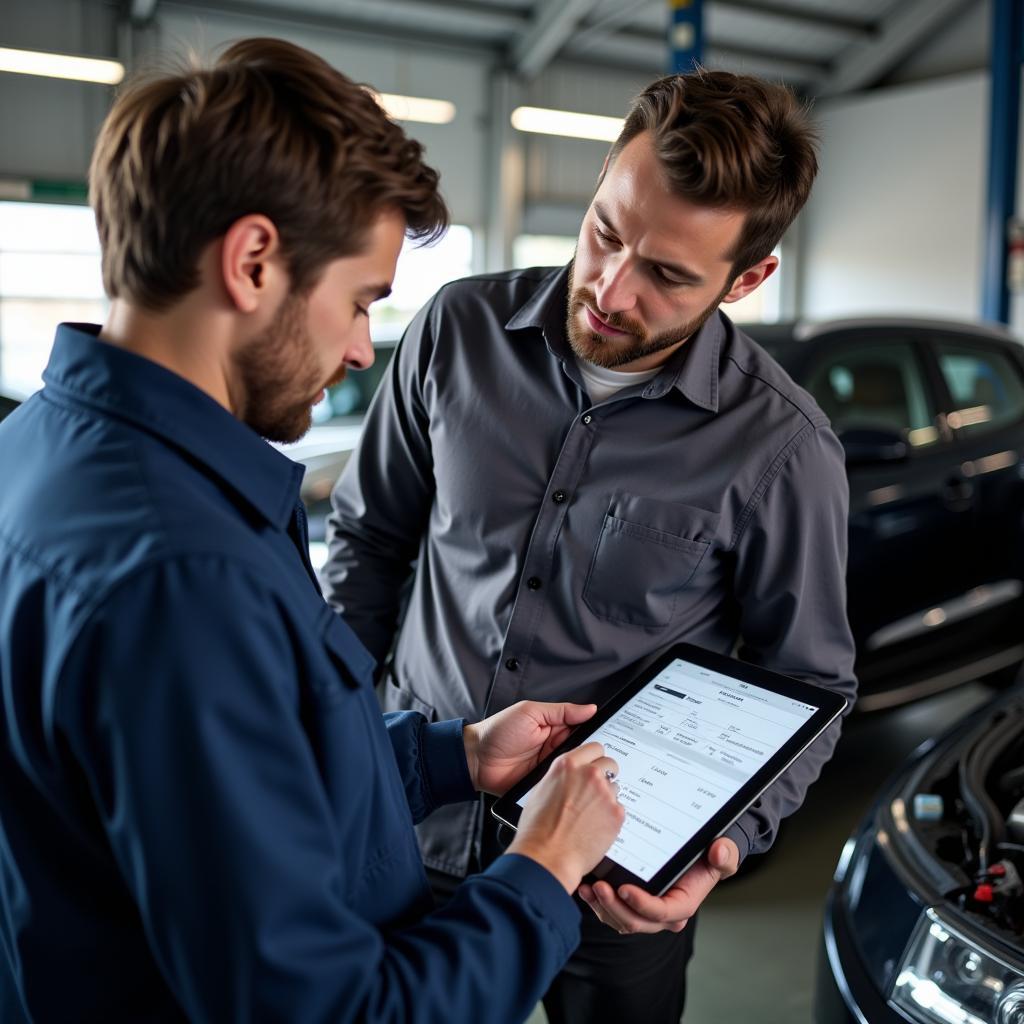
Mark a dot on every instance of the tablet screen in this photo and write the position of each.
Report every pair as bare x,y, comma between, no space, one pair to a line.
685,744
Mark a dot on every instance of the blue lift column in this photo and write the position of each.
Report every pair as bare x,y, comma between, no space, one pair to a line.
686,34
1007,55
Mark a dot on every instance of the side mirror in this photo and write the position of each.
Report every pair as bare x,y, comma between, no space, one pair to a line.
864,446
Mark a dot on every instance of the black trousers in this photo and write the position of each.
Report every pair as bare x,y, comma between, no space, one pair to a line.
611,978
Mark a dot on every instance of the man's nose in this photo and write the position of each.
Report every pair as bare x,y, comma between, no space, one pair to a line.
615,291
359,354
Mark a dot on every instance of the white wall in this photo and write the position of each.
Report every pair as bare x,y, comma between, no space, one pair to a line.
895,220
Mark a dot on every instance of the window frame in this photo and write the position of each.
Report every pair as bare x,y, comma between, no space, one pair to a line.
1014,355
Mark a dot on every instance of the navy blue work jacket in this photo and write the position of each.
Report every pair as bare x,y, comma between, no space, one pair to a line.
203,814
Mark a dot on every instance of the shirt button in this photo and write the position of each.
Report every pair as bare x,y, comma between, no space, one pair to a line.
587,418
558,497
512,664
533,583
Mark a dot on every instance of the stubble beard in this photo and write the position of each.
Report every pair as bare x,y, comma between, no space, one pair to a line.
612,353
278,377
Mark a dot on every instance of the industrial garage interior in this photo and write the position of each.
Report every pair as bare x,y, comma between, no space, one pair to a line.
912,222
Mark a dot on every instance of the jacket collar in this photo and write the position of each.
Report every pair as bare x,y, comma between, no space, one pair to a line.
129,387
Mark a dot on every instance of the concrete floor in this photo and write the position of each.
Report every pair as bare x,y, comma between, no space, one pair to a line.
757,945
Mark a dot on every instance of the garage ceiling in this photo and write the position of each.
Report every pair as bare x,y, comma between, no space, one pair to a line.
820,47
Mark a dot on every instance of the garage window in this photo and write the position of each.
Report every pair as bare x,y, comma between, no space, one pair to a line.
49,272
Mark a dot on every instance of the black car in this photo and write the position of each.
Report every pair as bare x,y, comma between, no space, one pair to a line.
925,917
931,415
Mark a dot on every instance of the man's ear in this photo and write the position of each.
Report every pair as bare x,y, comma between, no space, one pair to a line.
751,279
250,263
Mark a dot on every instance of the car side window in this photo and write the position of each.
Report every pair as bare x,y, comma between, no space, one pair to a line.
876,386
985,385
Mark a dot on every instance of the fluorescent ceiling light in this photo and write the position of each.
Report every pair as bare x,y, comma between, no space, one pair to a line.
59,65
416,108
566,122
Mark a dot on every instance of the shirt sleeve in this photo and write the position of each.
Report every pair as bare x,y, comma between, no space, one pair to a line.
381,503
791,587
180,708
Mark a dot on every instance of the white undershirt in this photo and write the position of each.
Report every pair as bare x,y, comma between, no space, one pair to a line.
602,383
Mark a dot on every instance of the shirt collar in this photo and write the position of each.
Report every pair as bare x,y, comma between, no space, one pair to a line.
130,387
692,370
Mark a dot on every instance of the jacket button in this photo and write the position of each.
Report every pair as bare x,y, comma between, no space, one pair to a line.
558,497
587,419
533,583
512,664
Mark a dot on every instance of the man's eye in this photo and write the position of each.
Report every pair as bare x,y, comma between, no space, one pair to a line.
604,236
664,278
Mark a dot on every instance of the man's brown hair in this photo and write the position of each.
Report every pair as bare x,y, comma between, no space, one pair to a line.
271,129
734,142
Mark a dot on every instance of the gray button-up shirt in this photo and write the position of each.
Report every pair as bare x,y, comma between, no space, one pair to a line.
557,545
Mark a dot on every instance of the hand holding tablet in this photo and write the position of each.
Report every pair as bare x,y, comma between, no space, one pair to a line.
697,738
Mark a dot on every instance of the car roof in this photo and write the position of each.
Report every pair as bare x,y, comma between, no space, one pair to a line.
808,330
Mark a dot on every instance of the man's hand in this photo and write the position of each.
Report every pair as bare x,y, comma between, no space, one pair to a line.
572,816
631,910
501,749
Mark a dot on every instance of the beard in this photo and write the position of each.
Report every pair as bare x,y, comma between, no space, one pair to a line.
637,343
278,377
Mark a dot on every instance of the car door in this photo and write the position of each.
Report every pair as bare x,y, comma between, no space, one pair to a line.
911,512
984,407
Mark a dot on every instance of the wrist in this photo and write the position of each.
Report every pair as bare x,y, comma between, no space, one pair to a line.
560,867
471,744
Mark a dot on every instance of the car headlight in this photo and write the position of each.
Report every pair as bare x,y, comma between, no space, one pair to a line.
945,978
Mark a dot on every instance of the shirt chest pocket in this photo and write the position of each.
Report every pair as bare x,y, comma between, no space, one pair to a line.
647,552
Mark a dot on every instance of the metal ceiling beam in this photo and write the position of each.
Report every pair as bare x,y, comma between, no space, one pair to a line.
913,22
603,26
797,18
454,21
841,26
634,51
553,24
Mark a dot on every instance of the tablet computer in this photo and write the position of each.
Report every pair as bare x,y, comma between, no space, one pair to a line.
698,737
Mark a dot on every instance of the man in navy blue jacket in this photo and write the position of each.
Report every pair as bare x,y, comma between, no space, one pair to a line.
203,814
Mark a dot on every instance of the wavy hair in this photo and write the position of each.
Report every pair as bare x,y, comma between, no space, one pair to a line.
731,141
270,128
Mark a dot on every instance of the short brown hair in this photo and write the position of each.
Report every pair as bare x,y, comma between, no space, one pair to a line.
731,141
270,128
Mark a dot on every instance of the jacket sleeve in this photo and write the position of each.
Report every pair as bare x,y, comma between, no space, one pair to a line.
431,759
381,503
791,587
185,723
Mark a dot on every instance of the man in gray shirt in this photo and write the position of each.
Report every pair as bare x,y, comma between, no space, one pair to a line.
581,466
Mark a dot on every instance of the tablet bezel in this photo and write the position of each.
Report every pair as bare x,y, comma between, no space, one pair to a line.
830,706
